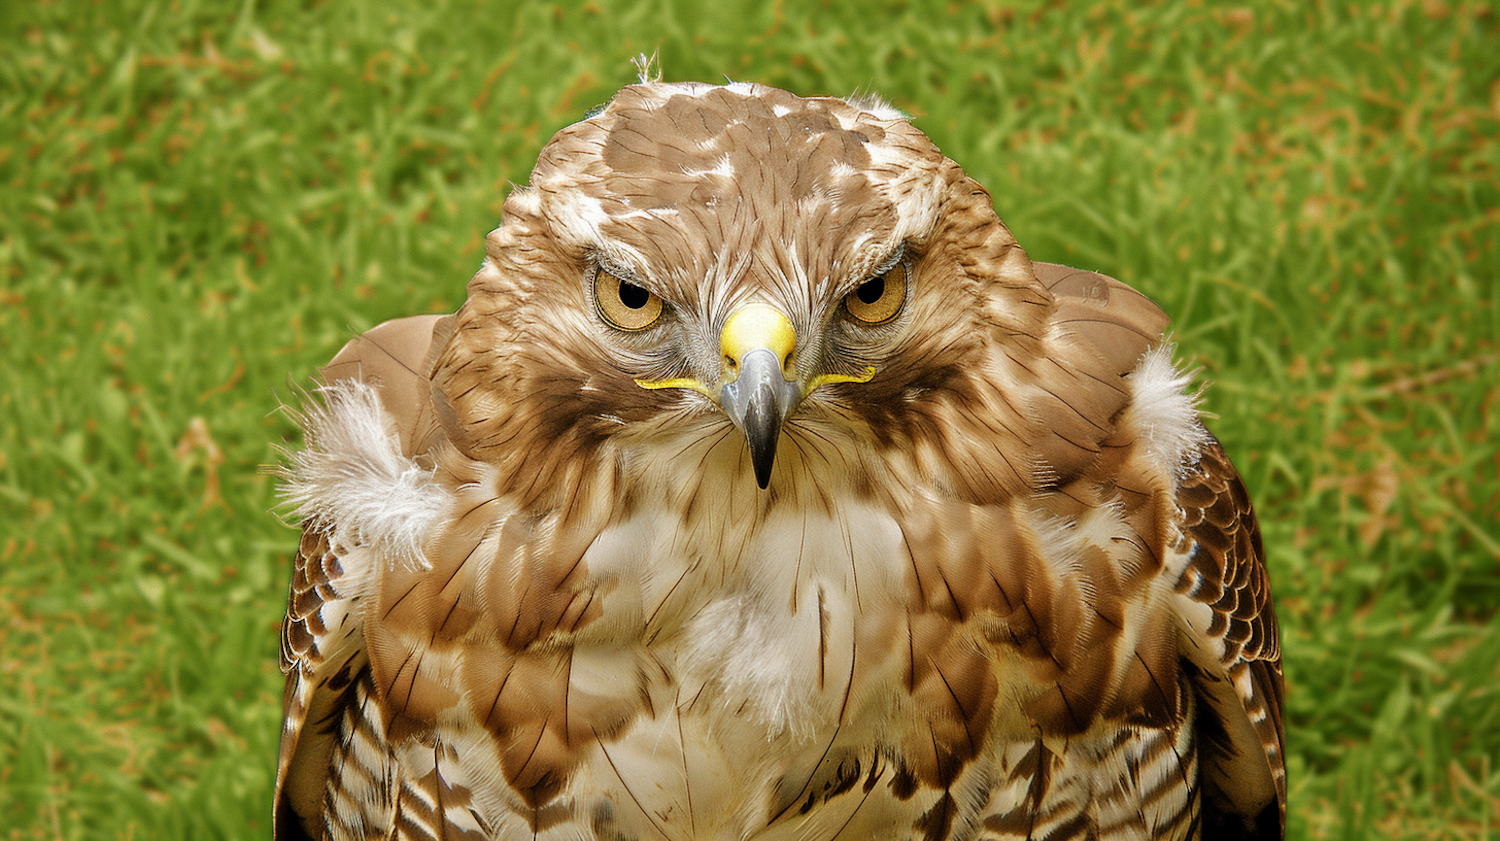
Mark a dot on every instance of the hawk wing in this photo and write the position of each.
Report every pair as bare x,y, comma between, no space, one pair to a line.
1233,649
322,653
322,635
1230,643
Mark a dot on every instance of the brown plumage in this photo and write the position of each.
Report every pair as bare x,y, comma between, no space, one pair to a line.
764,488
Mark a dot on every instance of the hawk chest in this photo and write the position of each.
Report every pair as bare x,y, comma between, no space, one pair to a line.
773,663
787,671
759,623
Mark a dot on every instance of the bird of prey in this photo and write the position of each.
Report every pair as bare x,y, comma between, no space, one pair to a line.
764,488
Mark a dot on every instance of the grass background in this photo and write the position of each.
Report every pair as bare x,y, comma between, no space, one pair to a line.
200,201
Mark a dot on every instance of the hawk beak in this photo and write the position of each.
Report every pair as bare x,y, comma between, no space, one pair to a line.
759,389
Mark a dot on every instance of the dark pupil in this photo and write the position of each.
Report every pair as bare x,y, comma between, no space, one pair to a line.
870,291
633,296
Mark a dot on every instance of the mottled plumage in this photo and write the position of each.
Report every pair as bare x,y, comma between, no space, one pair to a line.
763,488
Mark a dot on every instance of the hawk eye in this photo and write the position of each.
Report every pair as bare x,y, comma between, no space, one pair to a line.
623,304
878,299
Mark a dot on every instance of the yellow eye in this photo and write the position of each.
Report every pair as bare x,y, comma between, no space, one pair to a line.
623,304
878,299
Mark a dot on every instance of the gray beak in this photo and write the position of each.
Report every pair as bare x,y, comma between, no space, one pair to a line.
758,401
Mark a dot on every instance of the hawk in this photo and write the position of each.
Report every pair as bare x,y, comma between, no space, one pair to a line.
764,488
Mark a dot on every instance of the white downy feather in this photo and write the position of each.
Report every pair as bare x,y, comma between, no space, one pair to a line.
353,477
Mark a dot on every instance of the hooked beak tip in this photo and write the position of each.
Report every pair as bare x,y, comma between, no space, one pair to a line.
762,432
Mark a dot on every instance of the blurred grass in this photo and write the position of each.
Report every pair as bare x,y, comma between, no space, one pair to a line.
200,201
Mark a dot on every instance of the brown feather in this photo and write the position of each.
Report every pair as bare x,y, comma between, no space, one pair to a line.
1227,572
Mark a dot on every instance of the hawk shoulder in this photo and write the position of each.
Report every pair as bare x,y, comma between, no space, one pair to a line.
375,409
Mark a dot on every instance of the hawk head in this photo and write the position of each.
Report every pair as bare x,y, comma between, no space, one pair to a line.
696,257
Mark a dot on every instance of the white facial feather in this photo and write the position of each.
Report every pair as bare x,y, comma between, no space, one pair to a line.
352,477
916,191
576,217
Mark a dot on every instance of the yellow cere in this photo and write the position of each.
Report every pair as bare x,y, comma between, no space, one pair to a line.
758,325
754,326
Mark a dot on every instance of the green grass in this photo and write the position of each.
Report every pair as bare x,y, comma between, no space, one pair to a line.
199,202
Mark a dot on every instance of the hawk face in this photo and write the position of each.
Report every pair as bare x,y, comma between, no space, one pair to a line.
697,256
